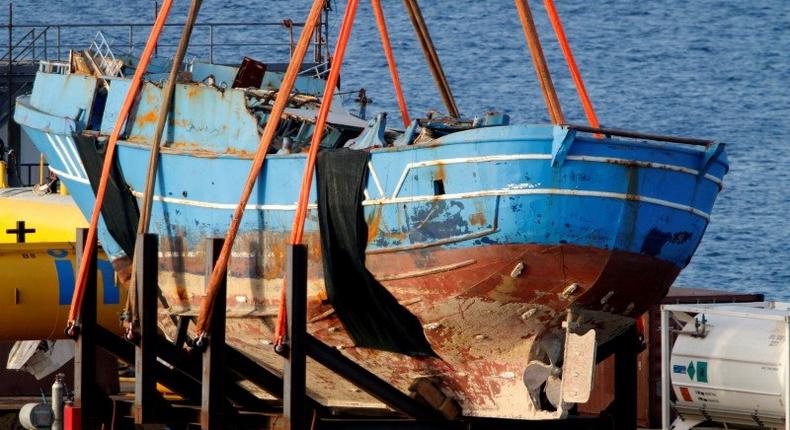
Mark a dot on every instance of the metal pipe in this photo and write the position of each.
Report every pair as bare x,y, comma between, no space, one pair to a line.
542,70
3,181
431,57
40,169
554,17
638,135
665,359
385,42
283,95
211,44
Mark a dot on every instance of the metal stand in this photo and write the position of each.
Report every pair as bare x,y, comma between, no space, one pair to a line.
301,345
213,394
625,360
85,395
294,389
145,395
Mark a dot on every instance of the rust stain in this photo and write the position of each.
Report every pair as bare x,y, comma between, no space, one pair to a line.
439,174
192,91
374,222
149,118
479,217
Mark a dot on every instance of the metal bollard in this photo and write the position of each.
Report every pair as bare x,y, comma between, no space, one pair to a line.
58,390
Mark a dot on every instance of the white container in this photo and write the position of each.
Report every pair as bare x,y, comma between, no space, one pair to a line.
728,364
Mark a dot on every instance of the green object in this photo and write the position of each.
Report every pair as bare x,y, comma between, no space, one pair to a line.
690,370
702,371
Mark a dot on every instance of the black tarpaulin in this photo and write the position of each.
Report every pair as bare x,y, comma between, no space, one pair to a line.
371,315
120,208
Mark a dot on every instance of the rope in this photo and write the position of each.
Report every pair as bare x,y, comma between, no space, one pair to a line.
206,307
134,88
297,229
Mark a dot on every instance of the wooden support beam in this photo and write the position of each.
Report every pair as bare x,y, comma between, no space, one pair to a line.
85,394
294,411
145,395
213,395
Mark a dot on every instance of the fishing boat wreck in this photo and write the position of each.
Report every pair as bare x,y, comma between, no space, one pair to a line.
484,255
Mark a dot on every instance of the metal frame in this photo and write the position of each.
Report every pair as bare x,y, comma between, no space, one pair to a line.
766,311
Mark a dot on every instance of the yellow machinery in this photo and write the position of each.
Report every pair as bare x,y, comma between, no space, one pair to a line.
37,276
54,217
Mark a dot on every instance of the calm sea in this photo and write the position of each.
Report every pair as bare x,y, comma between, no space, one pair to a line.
703,68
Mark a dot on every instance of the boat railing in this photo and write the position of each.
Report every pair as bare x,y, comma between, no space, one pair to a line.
53,42
638,135
215,42
56,67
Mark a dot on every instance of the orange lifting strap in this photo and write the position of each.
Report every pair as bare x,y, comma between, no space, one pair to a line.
134,88
385,42
284,93
297,230
566,51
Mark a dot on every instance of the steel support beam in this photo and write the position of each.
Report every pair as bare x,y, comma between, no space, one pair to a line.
295,375
625,358
145,395
85,394
213,395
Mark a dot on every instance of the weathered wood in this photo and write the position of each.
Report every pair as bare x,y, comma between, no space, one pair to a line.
294,391
368,382
85,395
145,395
213,394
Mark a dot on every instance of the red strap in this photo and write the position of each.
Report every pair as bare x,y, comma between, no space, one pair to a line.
280,103
131,94
297,230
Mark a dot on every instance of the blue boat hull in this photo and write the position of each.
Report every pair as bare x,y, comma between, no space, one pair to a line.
491,230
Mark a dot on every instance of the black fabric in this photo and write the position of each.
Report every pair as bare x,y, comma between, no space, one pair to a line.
119,210
371,315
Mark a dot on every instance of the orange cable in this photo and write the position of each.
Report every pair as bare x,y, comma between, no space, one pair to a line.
385,42
297,230
566,51
134,88
280,103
